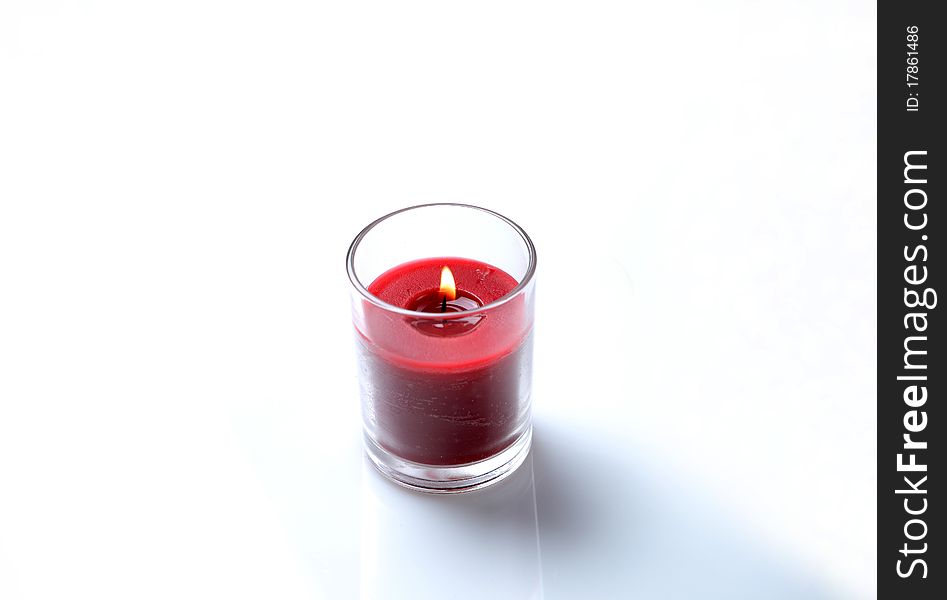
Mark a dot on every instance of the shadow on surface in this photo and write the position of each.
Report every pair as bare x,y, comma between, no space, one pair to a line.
612,527
608,527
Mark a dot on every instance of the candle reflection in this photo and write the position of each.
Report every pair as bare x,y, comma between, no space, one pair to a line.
482,544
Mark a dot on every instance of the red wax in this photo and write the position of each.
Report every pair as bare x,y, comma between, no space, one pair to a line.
456,392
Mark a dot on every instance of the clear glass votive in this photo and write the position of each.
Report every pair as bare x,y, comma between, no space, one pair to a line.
442,303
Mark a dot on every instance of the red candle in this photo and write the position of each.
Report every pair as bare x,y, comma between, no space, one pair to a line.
451,390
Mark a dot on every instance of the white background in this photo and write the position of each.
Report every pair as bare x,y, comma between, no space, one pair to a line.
179,181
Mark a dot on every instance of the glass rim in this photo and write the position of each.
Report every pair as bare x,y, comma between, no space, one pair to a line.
357,284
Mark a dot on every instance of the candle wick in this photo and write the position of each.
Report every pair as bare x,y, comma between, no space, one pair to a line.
444,303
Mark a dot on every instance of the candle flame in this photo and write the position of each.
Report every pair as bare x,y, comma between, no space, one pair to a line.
448,288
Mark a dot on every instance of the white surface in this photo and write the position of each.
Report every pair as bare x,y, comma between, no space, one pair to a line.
179,182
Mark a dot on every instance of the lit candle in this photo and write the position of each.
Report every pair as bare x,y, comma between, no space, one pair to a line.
459,403
445,346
